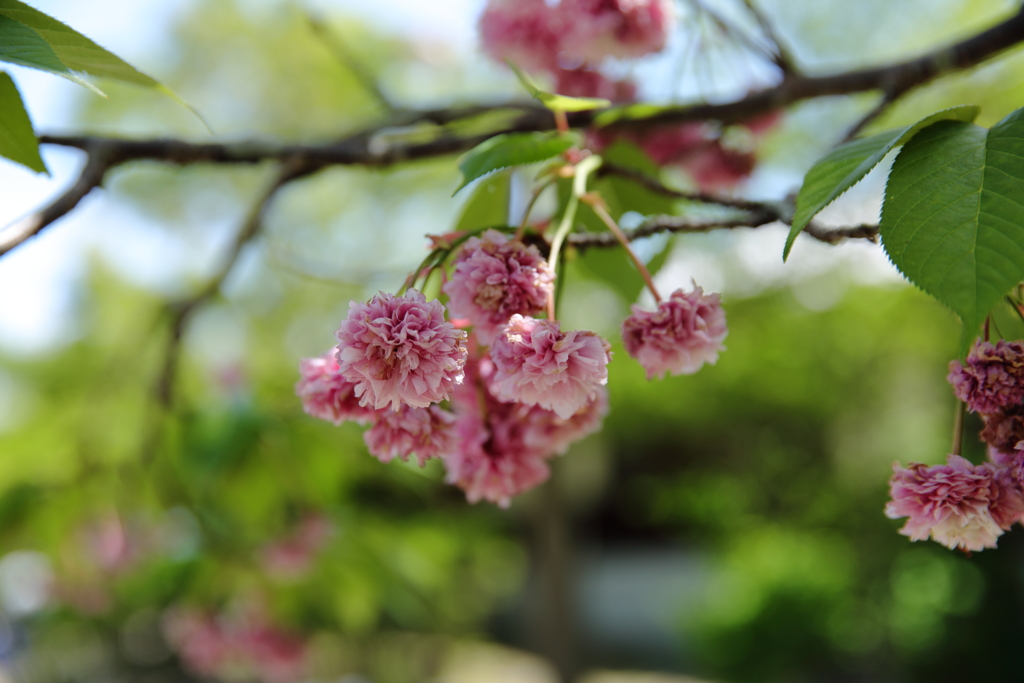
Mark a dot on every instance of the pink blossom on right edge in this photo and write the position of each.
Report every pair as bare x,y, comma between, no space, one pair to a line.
684,332
596,29
993,377
958,504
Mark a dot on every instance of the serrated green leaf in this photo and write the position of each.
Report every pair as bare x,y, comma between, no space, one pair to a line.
18,141
846,165
487,206
74,50
953,217
510,149
74,53
556,102
23,46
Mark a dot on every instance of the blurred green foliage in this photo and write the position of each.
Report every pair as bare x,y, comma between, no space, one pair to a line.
770,467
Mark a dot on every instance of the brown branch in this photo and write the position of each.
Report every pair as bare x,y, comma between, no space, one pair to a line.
381,146
899,77
655,185
96,166
366,148
181,311
754,219
339,49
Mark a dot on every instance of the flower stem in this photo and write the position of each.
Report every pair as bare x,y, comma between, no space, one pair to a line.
529,207
597,205
958,428
568,218
579,188
415,275
561,121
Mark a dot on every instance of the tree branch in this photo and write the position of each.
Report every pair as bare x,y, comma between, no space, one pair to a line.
382,146
677,224
96,166
182,311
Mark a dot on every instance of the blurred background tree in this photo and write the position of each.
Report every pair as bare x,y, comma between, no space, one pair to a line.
726,526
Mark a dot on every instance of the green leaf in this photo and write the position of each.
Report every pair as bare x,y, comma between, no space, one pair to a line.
20,45
953,218
74,50
487,206
31,38
843,167
18,141
510,149
557,102
631,112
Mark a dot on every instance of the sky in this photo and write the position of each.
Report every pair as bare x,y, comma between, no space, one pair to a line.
39,279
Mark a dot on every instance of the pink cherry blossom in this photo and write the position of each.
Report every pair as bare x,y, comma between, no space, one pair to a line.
549,434
993,377
427,432
494,278
291,557
958,504
596,29
400,350
235,646
714,166
526,32
326,394
538,364
583,82
683,333
492,460
1004,429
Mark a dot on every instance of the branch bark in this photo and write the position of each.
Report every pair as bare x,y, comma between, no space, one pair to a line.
377,147
182,311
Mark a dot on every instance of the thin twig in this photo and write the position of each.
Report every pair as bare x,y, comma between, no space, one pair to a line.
655,185
958,428
372,149
534,196
887,99
182,311
355,66
96,166
679,224
782,59
597,205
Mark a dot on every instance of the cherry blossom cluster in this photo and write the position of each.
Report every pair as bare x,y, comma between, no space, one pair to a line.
290,558
497,402
570,40
242,645
962,505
